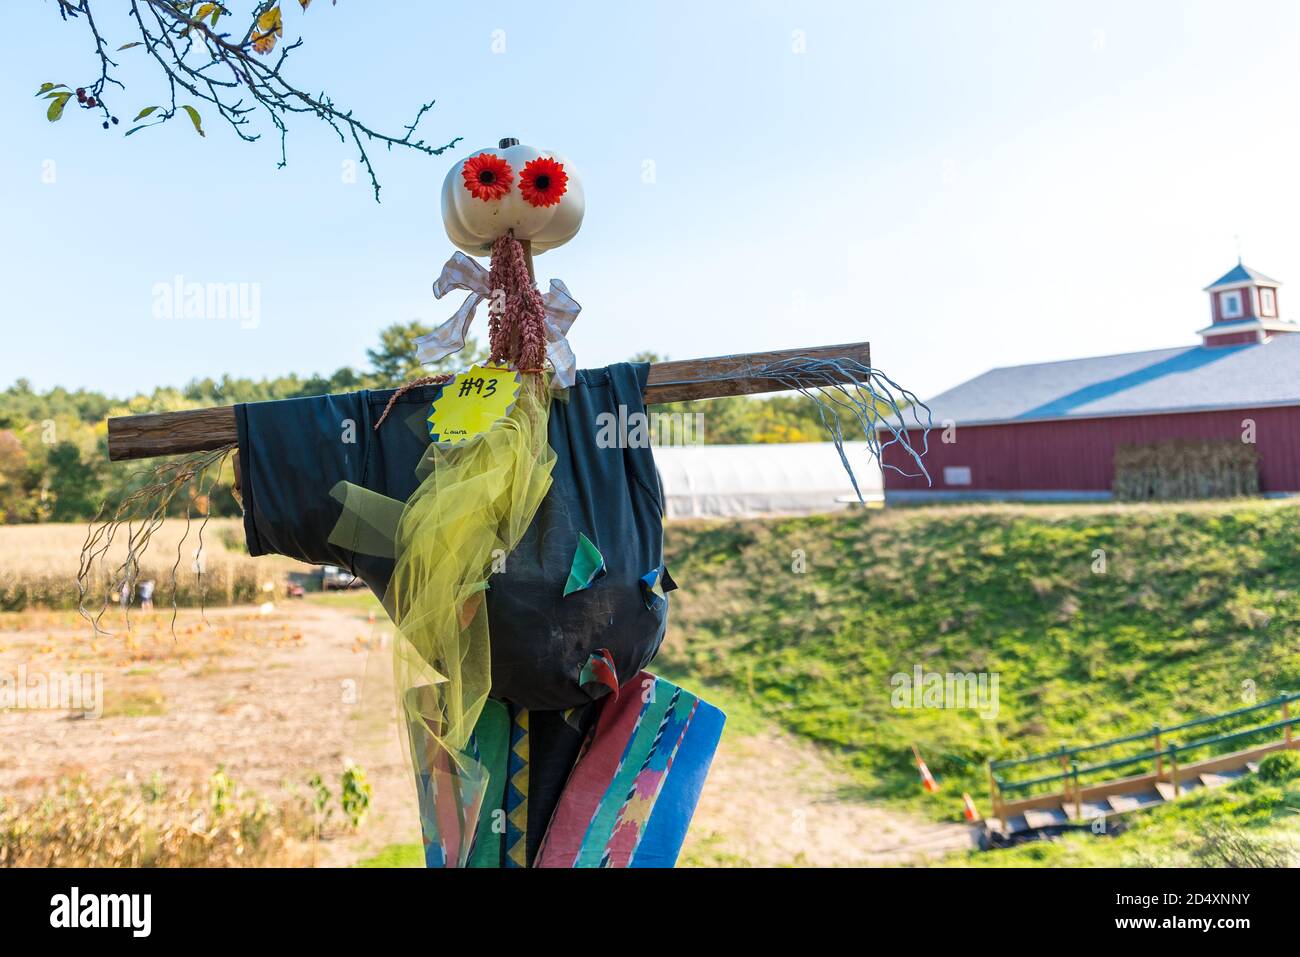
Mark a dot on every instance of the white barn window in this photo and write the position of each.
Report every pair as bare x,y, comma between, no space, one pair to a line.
956,475
1267,303
1230,304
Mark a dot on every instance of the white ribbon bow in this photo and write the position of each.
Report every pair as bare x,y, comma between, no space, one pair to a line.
461,272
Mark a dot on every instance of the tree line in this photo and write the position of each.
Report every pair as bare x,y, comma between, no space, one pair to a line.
54,463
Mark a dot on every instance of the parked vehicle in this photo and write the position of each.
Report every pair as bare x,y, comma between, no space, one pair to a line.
331,576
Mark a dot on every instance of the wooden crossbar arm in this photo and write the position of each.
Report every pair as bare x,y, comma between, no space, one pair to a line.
198,430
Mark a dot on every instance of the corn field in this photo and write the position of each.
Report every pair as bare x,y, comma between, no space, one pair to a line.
39,564
127,825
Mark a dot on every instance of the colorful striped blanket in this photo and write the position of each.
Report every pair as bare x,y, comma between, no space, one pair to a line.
642,756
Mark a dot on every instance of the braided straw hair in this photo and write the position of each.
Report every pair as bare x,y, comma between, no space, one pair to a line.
517,327
516,319
440,379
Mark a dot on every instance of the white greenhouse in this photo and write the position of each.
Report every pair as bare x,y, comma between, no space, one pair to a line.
798,478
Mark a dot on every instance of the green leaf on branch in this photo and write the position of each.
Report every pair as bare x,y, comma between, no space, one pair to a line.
46,87
195,119
145,112
55,112
127,46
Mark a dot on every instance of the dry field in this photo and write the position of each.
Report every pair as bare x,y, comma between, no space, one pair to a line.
39,563
264,699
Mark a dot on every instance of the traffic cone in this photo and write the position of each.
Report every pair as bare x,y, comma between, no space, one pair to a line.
972,815
927,779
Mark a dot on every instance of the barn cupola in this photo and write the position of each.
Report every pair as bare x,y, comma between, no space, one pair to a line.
1243,309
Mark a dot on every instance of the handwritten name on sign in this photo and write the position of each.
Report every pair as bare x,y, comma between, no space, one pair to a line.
472,403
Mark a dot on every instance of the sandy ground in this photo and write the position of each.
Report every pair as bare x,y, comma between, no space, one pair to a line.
279,696
772,800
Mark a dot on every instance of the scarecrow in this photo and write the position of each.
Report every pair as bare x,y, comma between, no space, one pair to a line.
517,545
520,561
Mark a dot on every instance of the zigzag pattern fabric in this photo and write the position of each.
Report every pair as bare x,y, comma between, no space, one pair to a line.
517,793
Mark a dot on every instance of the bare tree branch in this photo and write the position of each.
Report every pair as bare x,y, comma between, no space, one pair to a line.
209,67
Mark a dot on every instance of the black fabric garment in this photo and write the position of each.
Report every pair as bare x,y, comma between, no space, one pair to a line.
554,743
292,452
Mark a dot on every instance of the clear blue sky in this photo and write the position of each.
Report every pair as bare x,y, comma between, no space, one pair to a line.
964,184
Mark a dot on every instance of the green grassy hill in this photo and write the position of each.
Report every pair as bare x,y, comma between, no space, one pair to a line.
1195,607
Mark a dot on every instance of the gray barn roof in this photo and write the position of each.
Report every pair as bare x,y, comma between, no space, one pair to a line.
1135,383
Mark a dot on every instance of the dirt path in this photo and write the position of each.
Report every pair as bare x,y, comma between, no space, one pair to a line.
277,697
773,800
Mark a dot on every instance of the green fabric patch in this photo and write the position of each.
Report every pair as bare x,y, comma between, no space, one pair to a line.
588,565
491,740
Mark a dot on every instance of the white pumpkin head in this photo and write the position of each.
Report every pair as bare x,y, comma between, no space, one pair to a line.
534,192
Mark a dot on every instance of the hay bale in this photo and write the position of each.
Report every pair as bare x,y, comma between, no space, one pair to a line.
1185,469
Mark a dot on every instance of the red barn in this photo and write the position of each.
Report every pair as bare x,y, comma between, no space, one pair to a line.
1051,431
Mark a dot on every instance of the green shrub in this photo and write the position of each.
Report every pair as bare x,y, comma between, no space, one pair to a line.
1280,766
355,795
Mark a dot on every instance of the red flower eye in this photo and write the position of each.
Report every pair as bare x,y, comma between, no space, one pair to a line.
487,176
543,181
